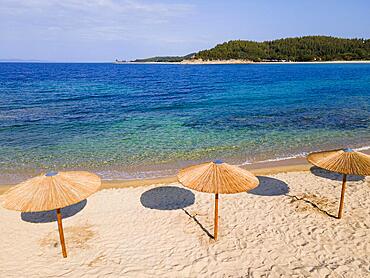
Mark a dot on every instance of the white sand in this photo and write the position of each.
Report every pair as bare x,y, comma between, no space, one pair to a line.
260,236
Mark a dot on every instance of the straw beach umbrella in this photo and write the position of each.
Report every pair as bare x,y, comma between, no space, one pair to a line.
53,190
344,161
218,178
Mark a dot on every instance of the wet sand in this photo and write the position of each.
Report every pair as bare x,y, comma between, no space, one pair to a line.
269,167
258,168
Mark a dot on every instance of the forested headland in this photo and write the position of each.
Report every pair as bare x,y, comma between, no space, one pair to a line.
300,49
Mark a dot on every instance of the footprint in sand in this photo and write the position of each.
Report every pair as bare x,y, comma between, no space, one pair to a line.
312,202
77,237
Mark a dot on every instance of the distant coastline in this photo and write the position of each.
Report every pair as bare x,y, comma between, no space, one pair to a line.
242,62
310,49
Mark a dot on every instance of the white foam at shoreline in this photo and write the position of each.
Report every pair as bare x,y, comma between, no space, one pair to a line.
117,175
299,155
123,175
275,159
362,148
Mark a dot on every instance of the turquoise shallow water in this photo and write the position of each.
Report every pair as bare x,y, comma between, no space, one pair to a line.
128,121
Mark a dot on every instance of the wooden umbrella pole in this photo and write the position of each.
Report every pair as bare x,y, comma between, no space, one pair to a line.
340,212
216,217
61,234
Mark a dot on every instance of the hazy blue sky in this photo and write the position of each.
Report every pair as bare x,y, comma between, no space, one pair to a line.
102,30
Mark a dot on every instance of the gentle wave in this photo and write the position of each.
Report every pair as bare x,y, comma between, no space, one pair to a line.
122,175
303,154
365,148
298,155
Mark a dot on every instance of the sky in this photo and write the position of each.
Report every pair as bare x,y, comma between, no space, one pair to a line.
103,30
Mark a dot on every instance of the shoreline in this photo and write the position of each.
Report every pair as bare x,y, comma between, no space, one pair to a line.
259,168
267,167
263,168
241,62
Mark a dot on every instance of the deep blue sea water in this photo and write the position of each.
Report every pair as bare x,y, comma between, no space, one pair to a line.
126,121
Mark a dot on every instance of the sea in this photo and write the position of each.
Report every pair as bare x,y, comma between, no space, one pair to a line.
129,121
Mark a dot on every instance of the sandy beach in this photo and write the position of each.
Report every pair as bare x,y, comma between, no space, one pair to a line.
283,228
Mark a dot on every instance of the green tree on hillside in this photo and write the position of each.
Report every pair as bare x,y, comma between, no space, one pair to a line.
309,48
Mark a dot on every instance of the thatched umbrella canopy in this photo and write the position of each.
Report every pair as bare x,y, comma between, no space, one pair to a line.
218,178
344,161
53,190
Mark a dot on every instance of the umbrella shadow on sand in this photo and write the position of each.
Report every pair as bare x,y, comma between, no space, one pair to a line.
171,198
274,187
332,175
270,187
51,215
167,198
